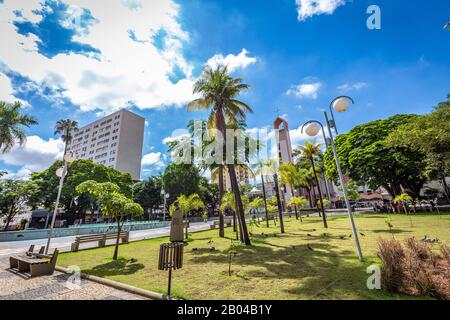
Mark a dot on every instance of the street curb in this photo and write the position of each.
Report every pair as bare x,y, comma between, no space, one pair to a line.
118,285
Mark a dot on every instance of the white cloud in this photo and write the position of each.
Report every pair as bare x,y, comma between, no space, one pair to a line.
125,72
234,62
36,155
6,90
22,174
309,8
305,90
176,136
346,87
153,159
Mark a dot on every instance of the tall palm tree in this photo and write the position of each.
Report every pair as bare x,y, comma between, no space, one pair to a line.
270,168
262,170
189,204
290,176
11,125
65,128
310,151
219,92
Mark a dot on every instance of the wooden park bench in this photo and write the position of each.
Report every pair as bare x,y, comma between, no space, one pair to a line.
226,223
31,252
37,265
100,238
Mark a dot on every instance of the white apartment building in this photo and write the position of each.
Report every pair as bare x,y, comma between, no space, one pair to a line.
115,141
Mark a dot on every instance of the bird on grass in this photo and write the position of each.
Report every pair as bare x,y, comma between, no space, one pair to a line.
210,241
133,260
309,235
194,249
213,249
342,237
362,234
309,247
349,235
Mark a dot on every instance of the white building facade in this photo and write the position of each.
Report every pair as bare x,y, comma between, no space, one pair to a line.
115,141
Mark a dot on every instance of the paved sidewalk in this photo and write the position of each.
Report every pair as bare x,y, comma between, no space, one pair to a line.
18,286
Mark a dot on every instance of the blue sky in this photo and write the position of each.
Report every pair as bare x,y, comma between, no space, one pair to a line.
76,59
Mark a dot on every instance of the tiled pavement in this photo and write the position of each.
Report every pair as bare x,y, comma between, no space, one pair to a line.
17,286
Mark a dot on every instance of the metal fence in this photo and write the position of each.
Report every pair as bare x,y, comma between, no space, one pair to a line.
78,230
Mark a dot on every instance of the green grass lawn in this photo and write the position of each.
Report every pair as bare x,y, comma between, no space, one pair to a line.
274,267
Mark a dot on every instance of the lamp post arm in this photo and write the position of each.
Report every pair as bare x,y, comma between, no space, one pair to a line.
332,113
321,126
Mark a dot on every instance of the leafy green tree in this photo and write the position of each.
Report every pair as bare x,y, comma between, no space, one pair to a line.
187,204
403,199
290,176
262,168
12,124
352,191
65,128
14,196
79,171
113,204
367,157
299,202
219,92
209,193
430,135
311,151
148,193
180,179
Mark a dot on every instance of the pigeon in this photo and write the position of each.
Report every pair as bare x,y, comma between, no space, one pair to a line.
210,241
194,249
133,260
362,234
309,247
349,235
342,237
309,235
213,249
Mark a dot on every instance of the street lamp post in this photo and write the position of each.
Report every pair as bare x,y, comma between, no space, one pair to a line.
61,172
344,190
312,129
166,196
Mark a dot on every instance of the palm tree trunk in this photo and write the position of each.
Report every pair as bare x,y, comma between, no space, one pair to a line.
446,190
324,217
221,192
280,208
295,207
186,226
265,201
240,208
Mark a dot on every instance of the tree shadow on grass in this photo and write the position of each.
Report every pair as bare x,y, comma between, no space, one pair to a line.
118,267
394,231
320,266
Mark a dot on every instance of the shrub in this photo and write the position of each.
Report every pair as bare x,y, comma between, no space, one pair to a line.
415,269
